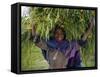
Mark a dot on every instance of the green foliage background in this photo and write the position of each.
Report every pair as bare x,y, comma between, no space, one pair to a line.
75,21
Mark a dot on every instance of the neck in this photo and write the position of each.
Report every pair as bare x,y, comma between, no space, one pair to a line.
59,41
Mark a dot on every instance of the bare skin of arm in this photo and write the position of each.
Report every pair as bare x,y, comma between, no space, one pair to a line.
91,24
33,29
41,43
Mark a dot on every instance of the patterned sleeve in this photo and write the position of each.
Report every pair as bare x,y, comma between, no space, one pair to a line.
82,43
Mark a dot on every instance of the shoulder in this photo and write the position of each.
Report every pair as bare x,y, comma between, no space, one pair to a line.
74,43
51,43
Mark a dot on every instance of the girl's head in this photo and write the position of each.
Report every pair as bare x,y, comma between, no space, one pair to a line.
59,33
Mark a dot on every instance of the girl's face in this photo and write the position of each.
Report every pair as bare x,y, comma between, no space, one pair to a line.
59,36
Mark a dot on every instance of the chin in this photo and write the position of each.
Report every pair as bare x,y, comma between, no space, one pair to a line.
60,39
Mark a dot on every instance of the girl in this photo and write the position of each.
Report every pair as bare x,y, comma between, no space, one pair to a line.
58,51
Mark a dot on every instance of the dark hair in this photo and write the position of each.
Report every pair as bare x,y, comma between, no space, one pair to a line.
56,28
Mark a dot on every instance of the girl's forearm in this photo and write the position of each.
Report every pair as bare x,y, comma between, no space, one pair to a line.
91,24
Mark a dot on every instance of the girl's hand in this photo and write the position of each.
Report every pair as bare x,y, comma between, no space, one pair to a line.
91,22
33,29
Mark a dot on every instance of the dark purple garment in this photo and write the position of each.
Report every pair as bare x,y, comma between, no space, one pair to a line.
74,58
60,46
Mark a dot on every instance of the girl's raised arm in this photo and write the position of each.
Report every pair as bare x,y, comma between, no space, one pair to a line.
90,27
37,40
83,39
